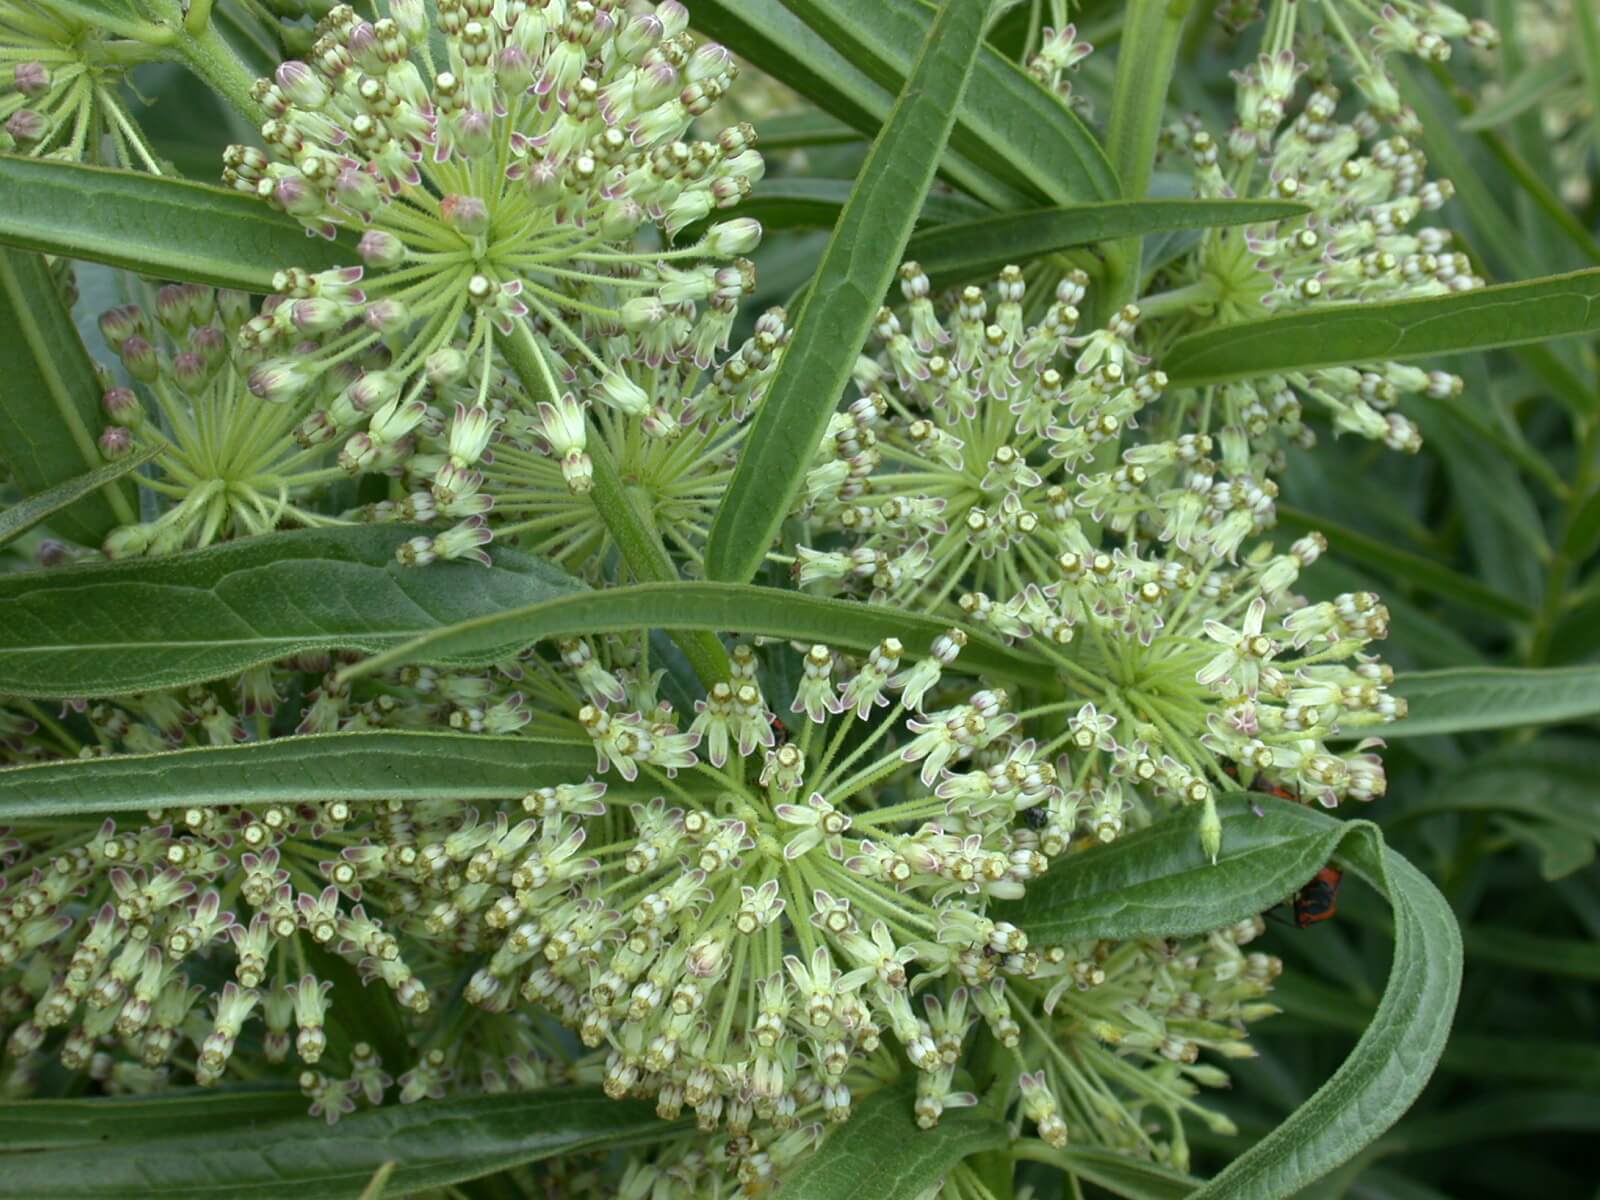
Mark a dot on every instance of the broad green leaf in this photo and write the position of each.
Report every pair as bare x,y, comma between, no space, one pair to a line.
1469,698
881,1154
1394,1056
28,512
1158,883
355,767
50,398
954,252
1009,123
162,227
854,274
432,1144
1510,314
722,607
780,44
53,1124
1422,573
1567,957
107,629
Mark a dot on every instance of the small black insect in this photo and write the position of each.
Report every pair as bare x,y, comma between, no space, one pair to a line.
1036,817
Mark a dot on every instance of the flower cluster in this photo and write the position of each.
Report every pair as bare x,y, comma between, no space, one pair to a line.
59,81
533,180
984,471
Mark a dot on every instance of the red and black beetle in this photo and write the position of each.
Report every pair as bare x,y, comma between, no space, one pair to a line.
1318,900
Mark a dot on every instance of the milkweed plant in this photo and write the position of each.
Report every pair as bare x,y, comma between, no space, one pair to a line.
479,657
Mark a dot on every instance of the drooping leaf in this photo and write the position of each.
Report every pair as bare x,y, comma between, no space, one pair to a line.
1531,951
780,44
723,607
951,253
30,511
107,629
881,1154
1468,698
368,766
851,280
1338,335
108,1120
432,1144
1009,123
50,399
162,227
1161,884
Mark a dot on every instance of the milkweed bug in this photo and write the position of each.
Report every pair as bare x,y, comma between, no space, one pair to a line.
1318,900
779,729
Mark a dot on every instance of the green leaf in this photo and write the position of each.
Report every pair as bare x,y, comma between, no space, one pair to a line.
28,512
432,1144
723,607
1521,95
1009,123
1158,883
1513,1115
788,202
952,253
780,45
1422,573
1533,952
50,399
313,769
1574,1061
1510,314
162,227
856,269
1116,1173
802,130
1469,698
53,1124
881,1154
107,629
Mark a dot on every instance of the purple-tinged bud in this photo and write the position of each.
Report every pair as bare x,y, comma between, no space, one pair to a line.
31,78
380,249
139,356
316,430
51,553
292,194
638,36
358,191
316,315
28,126
117,325
190,372
357,454
116,441
387,316
278,381
211,344
120,404
467,215
446,366
674,18
372,391
172,308
514,70
301,84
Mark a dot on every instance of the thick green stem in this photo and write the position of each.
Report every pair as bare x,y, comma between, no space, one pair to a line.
630,527
1151,33
211,58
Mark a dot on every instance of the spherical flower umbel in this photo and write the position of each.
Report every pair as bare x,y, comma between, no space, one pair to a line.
532,180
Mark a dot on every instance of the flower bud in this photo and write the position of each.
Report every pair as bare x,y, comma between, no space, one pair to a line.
278,381
27,126
728,239
139,356
301,84
121,405
117,325
116,441
380,249
467,215
31,78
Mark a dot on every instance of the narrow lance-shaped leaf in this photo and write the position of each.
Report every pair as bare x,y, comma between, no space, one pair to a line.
1158,883
1009,124
954,252
854,273
41,506
354,767
881,1154
52,1124
162,227
1509,314
1468,698
780,44
107,629
722,607
432,1144
50,398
